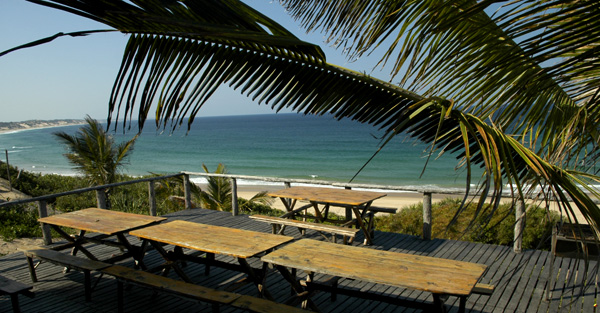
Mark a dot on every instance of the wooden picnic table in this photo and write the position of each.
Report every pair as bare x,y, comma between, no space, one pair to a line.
237,243
355,201
107,224
441,277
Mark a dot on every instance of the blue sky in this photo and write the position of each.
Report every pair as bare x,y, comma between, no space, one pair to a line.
72,77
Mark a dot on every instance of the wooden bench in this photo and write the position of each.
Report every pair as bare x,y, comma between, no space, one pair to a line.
347,233
484,289
191,292
571,241
378,209
13,289
68,261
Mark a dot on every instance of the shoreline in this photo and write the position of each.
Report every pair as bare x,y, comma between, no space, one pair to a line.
12,127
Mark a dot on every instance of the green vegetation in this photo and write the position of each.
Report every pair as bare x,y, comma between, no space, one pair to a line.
487,227
96,155
218,194
21,221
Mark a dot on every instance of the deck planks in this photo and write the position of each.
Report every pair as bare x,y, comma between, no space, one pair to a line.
520,279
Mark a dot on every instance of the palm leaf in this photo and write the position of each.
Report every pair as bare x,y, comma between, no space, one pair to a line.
179,54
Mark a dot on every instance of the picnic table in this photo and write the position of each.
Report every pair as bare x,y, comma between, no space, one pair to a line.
355,201
106,224
211,240
441,277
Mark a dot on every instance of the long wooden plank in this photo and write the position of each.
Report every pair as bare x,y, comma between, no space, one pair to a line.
309,225
58,292
101,221
213,239
344,197
416,272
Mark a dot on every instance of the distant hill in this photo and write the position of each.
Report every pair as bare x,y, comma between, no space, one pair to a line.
11,126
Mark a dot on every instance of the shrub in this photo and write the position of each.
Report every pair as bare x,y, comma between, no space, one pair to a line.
19,221
493,227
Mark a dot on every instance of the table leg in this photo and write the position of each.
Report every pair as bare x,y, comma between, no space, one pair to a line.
362,226
136,252
169,262
210,258
438,302
76,242
256,278
298,289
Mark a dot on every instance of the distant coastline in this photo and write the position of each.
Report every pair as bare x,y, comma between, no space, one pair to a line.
6,127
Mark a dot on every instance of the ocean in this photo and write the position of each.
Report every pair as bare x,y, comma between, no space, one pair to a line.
273,145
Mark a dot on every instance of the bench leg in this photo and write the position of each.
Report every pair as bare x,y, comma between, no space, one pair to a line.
31,269
14,300
87,282
210,258
119,296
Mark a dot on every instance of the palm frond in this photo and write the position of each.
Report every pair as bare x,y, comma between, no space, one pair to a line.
502,89
532,68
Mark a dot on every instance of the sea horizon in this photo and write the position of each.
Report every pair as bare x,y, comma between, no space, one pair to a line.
285,145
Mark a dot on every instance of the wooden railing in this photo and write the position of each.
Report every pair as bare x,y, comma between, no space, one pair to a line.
426,192
286,182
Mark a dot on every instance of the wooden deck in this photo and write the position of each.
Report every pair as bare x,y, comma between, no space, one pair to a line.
520,279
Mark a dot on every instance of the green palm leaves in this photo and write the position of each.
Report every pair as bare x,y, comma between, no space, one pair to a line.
94,153
532,68
523,83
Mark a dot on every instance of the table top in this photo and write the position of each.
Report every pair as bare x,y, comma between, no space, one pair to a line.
212,239
431,274
328,195
101,221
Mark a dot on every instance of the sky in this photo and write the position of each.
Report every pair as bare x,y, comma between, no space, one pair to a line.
70,78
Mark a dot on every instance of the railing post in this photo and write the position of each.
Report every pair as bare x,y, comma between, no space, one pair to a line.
43,212
187,191
348,212
8,171
101,198
152,198
427,215
519,226
234,198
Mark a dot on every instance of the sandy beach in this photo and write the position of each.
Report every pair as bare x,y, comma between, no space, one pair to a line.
6,127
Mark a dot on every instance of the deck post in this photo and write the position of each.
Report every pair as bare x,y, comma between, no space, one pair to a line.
519,225
152,198
101,199
348,212
427,215
234,198
8,171
43,212
187,191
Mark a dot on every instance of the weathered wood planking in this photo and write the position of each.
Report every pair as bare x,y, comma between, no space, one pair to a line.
101,221
328,195
58,292
239,243
410,271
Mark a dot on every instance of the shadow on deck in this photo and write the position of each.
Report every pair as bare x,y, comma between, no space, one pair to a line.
520,279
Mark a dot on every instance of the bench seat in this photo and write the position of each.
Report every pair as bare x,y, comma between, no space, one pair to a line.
325,228
68,261
191,292
14,289
484,289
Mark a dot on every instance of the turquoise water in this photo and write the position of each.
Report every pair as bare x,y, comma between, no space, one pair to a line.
277,145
